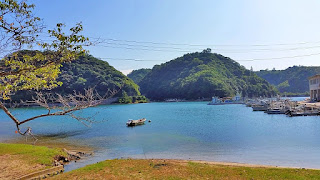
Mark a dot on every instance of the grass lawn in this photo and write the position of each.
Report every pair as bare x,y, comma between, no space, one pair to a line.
175,169
20,159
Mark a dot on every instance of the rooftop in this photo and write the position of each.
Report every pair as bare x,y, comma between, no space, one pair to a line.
318,75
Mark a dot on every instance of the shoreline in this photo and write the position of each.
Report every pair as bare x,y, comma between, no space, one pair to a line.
235,164
73,147
184,169
156,163
70,146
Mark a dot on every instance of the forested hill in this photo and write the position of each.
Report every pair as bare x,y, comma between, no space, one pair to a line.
138,75
89,72
292,80
204,74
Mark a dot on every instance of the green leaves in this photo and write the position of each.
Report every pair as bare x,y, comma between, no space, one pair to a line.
24,72
34,70
19,24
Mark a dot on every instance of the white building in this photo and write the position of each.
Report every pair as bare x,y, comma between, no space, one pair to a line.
314,87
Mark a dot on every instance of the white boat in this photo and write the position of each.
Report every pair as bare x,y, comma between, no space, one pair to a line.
222,101
276,111
131,122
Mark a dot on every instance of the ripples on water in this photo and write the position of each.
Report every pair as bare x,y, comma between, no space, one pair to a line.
185,130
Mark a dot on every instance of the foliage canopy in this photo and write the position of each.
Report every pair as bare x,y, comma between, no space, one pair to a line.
291,80
19,29
138,75
202,75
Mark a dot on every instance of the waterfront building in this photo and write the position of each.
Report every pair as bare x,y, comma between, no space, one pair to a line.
314,87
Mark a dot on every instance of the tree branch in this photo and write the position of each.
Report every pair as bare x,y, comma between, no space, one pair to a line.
3,107
59,113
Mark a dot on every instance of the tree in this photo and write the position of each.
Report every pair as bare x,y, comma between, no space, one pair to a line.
208,50
125,99
38,70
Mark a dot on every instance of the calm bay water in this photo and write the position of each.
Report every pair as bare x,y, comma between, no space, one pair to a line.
185,130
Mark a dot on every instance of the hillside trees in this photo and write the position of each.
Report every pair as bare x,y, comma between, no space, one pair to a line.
202,75
89,72
138,75
290,81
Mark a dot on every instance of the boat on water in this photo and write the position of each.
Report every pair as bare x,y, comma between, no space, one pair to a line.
275,111
226,100
259,107
131,122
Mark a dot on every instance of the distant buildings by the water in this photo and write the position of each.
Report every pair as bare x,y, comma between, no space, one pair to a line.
314,87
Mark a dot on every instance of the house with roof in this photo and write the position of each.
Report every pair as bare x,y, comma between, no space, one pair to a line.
314,87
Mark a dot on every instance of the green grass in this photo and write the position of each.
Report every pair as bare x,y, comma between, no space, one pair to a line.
172,169
33,154
153,169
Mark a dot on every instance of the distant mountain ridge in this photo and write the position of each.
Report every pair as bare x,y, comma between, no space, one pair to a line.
200,75
291,80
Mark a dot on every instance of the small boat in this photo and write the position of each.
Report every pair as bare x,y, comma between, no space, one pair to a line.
136,122
275,111
224,101
259,107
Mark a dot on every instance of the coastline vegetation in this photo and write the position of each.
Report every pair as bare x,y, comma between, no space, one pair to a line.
88,72
125,99
291,94
179,169
292,81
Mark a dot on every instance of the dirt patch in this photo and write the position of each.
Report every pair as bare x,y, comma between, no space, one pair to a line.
234,164
157,166
13,167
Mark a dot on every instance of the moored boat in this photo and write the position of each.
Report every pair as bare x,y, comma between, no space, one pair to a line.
276,111
131,122
226,100
259,107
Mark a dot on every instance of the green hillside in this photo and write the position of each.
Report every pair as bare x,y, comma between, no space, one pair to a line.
89,72
205,74
291,80
138,75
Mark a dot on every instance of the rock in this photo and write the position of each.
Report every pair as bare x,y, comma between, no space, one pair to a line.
56,163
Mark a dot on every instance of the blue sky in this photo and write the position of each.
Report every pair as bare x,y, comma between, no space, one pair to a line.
166,29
